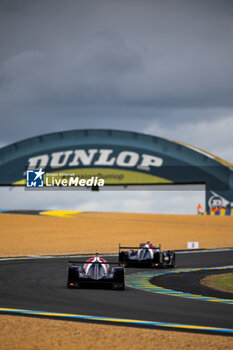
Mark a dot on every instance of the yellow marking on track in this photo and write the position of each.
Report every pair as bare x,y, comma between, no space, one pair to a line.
141,282
61,213
116,320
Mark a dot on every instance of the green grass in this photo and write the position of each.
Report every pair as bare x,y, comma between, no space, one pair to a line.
223,282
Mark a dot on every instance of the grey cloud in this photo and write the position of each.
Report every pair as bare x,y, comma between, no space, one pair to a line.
181,52
211,135
112,64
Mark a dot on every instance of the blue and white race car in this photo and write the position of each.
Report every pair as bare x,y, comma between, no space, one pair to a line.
146,255
96,272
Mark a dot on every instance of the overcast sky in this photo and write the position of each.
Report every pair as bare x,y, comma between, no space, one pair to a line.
163,67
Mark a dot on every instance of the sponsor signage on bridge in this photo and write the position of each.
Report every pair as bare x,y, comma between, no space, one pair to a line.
94,157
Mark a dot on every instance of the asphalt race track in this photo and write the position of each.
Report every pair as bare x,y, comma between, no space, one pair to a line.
189,281
40,284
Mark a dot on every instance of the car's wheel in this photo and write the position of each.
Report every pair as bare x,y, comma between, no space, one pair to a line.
156,259
121,258
73,277
118,278
174,261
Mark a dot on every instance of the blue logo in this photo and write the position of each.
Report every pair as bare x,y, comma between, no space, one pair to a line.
35,178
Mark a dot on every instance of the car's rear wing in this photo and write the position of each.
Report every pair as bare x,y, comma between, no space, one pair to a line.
140,247
72,262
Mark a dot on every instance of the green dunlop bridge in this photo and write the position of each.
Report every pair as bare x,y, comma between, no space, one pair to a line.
122,158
